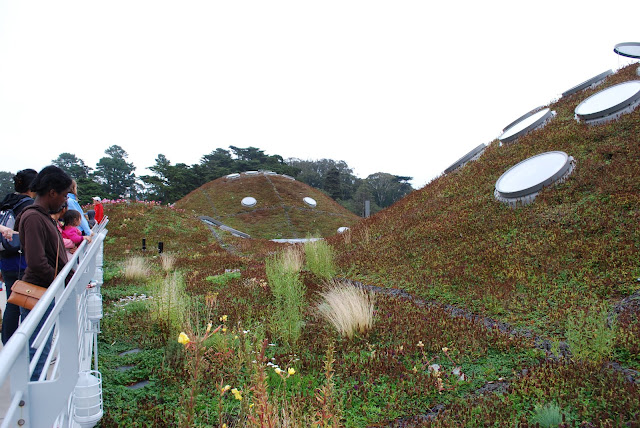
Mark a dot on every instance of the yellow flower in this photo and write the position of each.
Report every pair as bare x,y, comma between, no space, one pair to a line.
224,425
277,370
291,371
226,388
445,349
420,344
223,318
183,338
209,327
224,329
237,394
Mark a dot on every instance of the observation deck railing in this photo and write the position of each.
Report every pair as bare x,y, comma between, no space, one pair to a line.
73,326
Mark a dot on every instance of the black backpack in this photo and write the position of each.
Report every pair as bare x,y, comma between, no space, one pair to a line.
8,219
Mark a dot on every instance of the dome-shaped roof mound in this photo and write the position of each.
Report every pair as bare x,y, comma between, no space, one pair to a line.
281,209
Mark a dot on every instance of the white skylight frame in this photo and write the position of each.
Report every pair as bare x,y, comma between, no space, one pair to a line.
521,183
526,124
609,104
628,49
310,201
589,83
249,202
471,156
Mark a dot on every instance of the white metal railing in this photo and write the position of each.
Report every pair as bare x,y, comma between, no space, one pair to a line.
47,401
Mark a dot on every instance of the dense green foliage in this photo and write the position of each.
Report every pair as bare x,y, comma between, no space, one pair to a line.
337,180
6,183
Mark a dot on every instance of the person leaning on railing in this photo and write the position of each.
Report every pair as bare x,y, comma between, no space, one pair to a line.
12,264
42,243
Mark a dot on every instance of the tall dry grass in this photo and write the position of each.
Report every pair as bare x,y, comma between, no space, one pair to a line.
136,268
346,236
167,261
347,307
292,259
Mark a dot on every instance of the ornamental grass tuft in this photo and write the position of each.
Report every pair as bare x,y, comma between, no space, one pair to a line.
347,307
136,268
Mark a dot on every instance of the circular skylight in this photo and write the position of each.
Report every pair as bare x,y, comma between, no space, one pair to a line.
527,123
249,201
233,175
609,104
288,176
587,83
472,155
522,182
524,116
310,201
251,172
342,229
628,49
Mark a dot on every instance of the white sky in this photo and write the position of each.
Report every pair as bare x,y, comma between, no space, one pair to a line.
405,87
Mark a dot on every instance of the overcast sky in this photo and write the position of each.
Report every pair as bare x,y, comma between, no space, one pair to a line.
405,87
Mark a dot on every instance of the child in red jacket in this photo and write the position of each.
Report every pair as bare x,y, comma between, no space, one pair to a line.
98,208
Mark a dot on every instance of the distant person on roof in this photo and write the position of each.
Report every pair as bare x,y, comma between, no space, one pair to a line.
98,208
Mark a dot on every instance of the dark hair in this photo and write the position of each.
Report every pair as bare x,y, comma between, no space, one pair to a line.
51,178
23,179
70,216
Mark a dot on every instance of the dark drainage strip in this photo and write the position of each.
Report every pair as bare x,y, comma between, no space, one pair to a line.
132,351
124,368
139,385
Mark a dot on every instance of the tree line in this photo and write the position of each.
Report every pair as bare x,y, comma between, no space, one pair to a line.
114,177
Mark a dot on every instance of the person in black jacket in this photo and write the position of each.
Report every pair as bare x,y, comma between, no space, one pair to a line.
12,264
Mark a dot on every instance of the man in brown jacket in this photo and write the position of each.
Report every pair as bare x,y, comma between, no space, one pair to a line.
41,241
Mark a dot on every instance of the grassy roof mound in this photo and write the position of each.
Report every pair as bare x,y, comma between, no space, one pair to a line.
280,211
577,245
